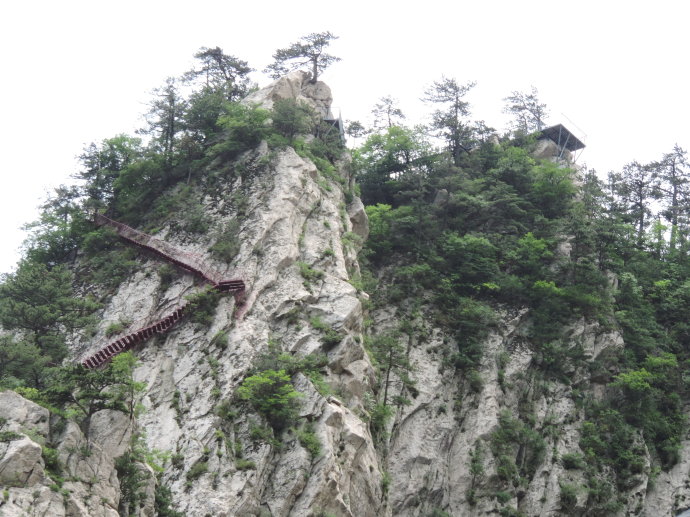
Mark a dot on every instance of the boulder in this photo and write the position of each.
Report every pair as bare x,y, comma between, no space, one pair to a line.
21,464
22,414
296,85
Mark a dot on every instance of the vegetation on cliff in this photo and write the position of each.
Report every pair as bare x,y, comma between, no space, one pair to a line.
482,226
464,224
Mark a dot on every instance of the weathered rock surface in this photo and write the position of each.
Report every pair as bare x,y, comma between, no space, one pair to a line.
83,482
292,223
295,85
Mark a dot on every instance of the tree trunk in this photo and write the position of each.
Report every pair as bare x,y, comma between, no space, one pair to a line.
315,70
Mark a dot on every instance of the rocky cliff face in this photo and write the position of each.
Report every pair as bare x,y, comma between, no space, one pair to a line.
87,484
292,219
293,216
299,242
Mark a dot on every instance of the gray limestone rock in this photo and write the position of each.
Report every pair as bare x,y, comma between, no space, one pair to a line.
295,85
21,464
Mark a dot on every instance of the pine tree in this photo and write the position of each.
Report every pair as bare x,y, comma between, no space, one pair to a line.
310,50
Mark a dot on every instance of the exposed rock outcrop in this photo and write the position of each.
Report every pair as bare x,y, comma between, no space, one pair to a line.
296,85
81,480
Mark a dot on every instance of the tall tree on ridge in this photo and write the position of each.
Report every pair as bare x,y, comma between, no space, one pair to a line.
310,50
637,186
387,113
221,73
450,121
675,187
165,118
529,113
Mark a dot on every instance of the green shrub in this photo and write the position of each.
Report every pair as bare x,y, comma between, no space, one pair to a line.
568,496
9,436
202,306
194,218
573,460
310,365
198,469
131,479
331,338
260,433
307,437
385,482
242,464
351,240
114,328
225,411
318,324
509,511
475,381
607,440
309,273
227,245
244,128
111,268
291,118
51,459
177,460
293,315
163,501
167,274
220,339
503,497
99,240
513,435
379,416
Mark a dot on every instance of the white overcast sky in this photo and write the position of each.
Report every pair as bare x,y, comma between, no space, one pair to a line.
74,72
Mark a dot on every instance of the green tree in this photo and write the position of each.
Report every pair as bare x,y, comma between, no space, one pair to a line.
636,188
387,113
101,165
271,393
165,119
56,235
138,185
470,260
391,357
244,127
21,363
674,174
379,243
450,120
39,301
528,112
91,390
310,50
386,157
291,118
552,189
221,73
355,129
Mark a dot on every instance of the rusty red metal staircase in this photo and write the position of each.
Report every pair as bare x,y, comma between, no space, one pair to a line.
190,262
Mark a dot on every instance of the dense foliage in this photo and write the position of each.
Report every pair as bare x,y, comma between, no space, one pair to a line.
482,226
